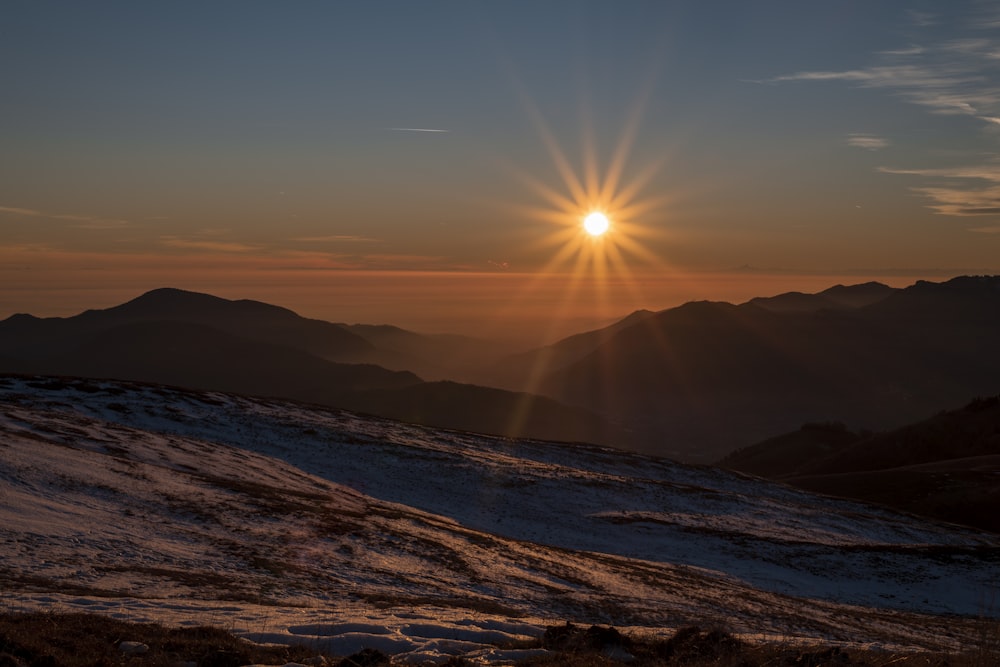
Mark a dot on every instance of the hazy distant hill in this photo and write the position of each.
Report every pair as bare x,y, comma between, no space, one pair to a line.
707,377
431,356
944,467
200,341
519,371
195,355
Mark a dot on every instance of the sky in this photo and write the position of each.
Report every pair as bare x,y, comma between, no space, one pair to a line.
428,164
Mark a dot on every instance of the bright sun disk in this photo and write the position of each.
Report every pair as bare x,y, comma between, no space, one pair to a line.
596,223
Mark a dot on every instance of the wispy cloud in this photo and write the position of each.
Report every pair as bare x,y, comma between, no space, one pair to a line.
869,142
84,221
415,129
955,76
958,191
949,76
206,244
404,261
906,51
986,172
951,88
336,238
922,19
21,211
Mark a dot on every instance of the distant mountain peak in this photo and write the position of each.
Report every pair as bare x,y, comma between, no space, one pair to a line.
838,297
173,294
173,302
21,317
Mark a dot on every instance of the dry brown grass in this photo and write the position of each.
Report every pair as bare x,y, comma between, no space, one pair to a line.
44,639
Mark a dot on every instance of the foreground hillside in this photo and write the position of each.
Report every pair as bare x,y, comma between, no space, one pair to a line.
945,467
289,522
84,640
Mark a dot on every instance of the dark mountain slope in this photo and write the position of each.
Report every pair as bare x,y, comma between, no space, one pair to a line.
709,377
857,296
945,467
31,337
195,355
971,431
521,371
707,374
788,454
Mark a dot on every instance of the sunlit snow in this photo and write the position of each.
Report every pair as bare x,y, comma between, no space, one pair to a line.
285,522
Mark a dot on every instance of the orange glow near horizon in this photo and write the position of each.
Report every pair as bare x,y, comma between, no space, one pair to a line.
491,305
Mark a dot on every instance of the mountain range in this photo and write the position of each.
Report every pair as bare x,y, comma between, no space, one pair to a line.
693,382
705,378
201,341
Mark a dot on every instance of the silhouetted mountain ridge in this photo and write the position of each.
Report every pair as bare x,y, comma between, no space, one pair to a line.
201,341
692,382
31,336
707,377
836,297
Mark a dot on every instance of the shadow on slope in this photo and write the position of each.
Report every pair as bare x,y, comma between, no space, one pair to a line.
194,355
945,467
486,410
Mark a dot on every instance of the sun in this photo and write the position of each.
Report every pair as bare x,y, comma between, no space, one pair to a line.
596,223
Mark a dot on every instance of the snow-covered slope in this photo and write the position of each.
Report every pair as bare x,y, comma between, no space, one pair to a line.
284,521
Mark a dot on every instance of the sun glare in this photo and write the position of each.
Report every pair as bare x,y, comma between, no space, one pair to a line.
596,220
596,223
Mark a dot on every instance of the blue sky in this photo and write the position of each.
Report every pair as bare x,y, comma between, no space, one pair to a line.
854,138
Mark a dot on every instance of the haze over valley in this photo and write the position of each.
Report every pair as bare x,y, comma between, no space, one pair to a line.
693,382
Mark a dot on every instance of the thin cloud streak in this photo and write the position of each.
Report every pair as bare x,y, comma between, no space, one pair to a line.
958,191
416,129
86,221
22,211
214,246
336,238
954,77
867,141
